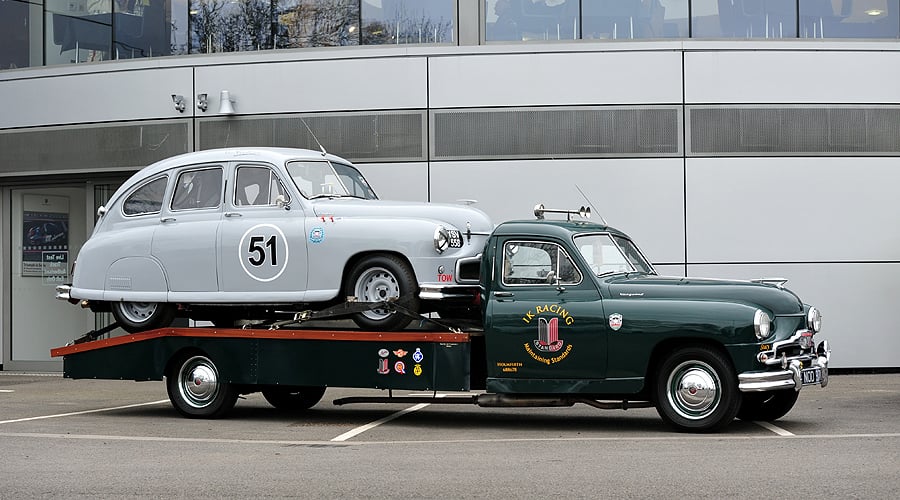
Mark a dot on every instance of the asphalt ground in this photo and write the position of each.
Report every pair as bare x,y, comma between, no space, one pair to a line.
122,439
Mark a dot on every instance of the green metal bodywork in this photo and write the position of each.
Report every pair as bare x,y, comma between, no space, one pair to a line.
613,331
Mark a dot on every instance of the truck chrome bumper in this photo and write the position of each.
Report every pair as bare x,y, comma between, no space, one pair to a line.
809,369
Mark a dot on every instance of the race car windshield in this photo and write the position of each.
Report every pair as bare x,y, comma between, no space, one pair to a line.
607,254
318,179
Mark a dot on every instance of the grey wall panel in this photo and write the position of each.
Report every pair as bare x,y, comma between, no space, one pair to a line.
791,77
555,79
95,97
856,301
792,209
305,86
642,197
397,181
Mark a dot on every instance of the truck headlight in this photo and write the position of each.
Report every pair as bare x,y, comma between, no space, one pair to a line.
762,324
814,320
441,239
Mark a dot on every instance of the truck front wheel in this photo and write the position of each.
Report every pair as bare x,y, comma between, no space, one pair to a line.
767,406
696,390
196,389
378,278
293,398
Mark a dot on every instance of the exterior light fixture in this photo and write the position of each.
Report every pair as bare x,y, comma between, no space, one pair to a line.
179,102
226,103
202,102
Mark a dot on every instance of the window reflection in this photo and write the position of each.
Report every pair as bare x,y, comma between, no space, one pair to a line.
19,21
532,20
849,19
142,28
407,21
634,18
744,19
78,30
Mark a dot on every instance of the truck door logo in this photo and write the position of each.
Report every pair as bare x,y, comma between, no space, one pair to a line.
548,335
615,321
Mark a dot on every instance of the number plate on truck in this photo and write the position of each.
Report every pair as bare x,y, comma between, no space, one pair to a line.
811,376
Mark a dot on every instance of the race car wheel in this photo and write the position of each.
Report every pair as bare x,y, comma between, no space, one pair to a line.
141,316
293,398
378,278
767,406
196,389
696,390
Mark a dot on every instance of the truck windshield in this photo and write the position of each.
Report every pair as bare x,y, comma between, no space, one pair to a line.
607,254
318,179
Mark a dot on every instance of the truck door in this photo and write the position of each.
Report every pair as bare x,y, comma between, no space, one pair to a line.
544,315
263,243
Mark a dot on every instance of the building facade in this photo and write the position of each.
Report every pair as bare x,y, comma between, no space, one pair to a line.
730,138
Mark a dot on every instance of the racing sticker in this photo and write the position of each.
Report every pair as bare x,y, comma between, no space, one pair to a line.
548,348
400,367
263,252
317,235
615,321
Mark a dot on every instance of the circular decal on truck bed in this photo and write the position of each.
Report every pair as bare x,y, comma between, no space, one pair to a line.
263,252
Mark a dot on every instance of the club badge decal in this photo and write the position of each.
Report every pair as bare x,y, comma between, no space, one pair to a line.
615,321
548,348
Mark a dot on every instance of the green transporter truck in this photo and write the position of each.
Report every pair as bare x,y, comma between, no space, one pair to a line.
572,312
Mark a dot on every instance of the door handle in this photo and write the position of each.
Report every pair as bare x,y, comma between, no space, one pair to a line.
503,294
167,219
233,214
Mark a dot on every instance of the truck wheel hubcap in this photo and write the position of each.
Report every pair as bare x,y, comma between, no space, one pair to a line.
375,285
693,390
199,382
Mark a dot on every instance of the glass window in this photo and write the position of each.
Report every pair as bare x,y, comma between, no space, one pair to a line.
257,186
78,30
634,18
744,19
537,263
143,28
849,19
198,189
319,179
146,199
20,24
407,21
532,20
607,254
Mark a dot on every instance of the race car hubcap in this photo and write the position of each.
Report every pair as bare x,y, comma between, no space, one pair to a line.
138,312
199,382
693,390
375,285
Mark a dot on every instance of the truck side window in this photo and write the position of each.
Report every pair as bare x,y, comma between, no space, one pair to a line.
257,186
146,199
537,263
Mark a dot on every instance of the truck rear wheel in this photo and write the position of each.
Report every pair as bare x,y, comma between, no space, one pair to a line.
136,317
378,278
196,389
696,390
767,406
293,398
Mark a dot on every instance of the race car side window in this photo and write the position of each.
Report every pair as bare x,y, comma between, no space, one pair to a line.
146,199
198,189
257,186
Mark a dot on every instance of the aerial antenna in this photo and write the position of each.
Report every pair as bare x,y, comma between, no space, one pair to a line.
591,204
321,147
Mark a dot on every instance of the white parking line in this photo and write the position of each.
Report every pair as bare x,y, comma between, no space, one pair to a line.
774,428
98,410
371,425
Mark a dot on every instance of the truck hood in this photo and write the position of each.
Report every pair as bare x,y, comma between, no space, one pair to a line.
448,214
780,301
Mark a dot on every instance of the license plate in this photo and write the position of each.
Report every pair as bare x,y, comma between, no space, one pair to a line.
455,239
811,376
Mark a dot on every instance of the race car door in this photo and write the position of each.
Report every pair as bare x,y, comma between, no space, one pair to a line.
545,318
262,255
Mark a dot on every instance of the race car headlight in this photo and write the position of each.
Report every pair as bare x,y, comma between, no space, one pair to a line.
441,239
814,320
762,324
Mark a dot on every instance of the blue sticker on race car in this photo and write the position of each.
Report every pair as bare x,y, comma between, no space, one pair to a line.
317,235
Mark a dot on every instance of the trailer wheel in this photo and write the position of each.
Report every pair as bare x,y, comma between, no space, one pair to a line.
381,277
696,390
197,391
767,406
293,398
137,317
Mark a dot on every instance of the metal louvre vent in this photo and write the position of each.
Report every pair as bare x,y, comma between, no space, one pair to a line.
383,136
850,130
91,148
556,132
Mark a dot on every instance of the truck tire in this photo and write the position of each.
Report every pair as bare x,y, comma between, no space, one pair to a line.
196,389
136,317
381,277
696,390
293,399
767,406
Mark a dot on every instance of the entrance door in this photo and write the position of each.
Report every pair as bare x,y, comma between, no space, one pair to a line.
47,228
